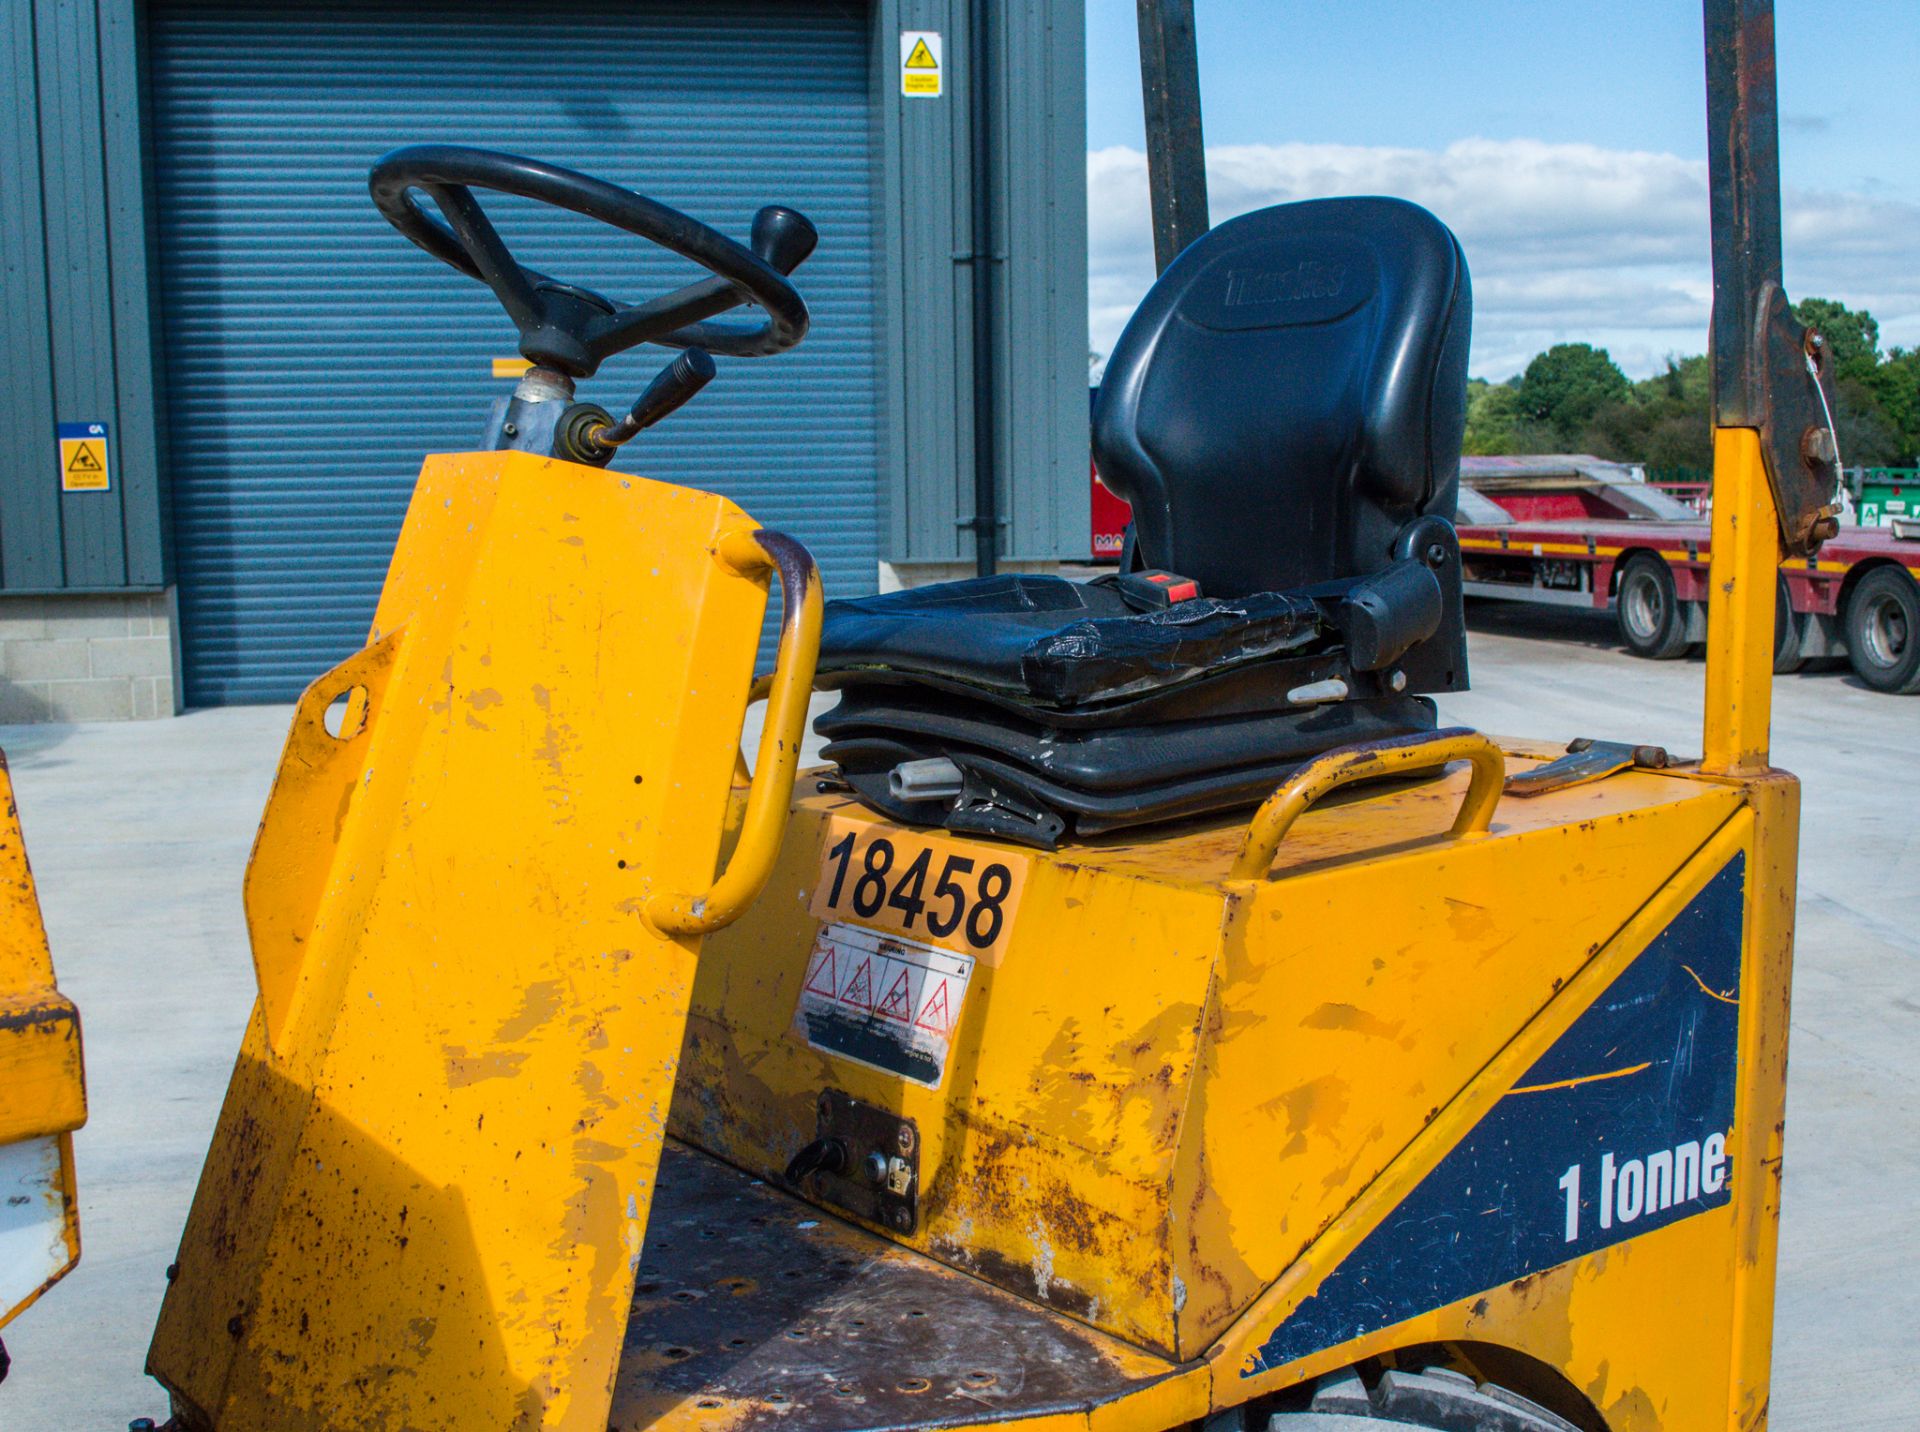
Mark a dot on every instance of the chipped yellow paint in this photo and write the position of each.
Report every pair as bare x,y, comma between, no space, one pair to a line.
1742,593
433,1169
43,1091
1196,1068
1171,1081
1508,1057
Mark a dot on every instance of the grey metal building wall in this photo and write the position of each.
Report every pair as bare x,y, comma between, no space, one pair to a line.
1039,288
80,333
75,326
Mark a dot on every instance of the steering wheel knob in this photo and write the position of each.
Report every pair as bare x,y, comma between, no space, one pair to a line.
783,237
573,329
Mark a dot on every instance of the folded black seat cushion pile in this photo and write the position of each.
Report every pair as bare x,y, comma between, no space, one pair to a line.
1284,413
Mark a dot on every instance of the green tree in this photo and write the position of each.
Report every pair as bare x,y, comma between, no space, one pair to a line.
1566,387
1492,413
1896,388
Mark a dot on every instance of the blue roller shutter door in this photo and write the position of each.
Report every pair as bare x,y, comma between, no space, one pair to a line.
314,357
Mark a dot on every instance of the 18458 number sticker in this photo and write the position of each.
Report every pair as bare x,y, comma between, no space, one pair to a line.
919,885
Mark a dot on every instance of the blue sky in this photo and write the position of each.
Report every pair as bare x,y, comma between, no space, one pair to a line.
1564,142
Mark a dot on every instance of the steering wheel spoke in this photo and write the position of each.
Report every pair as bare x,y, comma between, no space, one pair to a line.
656,320
512,284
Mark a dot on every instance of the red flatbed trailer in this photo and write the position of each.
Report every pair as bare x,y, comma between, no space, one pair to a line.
1580,532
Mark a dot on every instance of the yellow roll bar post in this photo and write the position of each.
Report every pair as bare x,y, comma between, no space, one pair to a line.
761,553
1740,608
1775,464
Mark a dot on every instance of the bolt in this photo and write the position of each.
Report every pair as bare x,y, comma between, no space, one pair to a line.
1398,681
173,1272
511,430
1436,554
875,1167
905,1138
901,1220
1819,446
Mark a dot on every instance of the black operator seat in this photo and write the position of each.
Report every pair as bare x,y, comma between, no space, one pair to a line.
1284,412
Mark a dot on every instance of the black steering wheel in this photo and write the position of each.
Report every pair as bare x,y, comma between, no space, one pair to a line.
574,329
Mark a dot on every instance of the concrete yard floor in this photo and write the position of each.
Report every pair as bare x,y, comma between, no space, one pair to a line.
139,834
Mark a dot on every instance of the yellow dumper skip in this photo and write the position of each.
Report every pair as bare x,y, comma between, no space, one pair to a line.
437,1156
43,1096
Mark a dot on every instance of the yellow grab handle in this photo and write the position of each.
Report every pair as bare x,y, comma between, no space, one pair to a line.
1340,767
750,553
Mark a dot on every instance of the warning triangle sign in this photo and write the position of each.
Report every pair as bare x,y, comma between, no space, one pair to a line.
921,58
84,459
899,1001
821,979
935,1016
859,990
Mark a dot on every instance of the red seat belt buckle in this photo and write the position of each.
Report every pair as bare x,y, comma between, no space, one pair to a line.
1154,589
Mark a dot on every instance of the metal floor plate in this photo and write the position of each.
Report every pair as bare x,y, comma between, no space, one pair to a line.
753,1309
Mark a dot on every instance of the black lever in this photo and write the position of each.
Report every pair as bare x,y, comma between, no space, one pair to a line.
585,434
783,237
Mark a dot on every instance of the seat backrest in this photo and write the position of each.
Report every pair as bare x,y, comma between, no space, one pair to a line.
1290,394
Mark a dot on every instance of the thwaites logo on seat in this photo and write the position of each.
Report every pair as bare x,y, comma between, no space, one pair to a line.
1619,1129
1306,279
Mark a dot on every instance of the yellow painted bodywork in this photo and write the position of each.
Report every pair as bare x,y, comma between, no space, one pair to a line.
43,1094
433,1169
1177,1098
1741,602
1190,1071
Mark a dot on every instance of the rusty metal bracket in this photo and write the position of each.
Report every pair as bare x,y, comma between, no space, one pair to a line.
876,1173
1770,372
1586,760
1788,368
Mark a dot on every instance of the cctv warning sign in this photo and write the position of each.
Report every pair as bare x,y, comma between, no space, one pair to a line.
83,458
920,63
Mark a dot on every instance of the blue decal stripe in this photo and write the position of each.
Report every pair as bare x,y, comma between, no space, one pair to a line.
1618,1129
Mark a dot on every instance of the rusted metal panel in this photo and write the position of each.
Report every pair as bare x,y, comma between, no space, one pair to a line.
1769,371
1138,1069
1176,146
753,1311
1048,1145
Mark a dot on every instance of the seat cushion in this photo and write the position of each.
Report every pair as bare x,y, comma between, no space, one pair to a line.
1053,643
1039,785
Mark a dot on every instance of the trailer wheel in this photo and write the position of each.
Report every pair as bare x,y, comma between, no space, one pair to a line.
1883,631
1647,610
1436,1399
1786,634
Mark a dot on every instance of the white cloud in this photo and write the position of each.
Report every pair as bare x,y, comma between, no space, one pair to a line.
1567,242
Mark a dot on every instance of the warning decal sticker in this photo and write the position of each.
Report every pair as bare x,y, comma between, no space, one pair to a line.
888,1003
83,458
920,63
